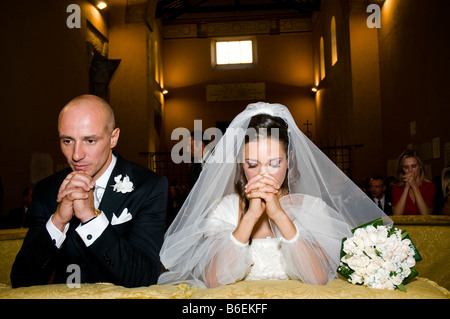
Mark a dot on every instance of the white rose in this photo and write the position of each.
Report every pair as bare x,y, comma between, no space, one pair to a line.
362,272
377,262
355,279
400,255
359,242
372,268
352,262
360,232
410,262
363,261
389,265
358,262
396,280
381,234
392,242
372,234
406,242
387,254
349,246
388,285
370,251
406,272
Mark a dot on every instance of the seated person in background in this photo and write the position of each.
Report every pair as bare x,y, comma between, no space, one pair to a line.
268,205
377,189
413,195
104,214
445,179
18,217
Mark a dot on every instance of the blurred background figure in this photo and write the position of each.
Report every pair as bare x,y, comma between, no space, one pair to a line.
445,180
196,148
18,217
377,190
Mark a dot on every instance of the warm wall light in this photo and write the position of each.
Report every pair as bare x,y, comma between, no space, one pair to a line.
314,89
101,5
165,91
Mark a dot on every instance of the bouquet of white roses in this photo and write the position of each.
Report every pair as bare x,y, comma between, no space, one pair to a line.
378,257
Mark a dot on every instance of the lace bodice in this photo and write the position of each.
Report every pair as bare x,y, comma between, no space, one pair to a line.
268,261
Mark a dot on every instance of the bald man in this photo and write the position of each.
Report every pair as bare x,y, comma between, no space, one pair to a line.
100,220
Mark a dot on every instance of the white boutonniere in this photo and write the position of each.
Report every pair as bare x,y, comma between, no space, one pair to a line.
125,186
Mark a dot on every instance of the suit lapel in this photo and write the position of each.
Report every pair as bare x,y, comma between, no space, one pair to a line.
112,200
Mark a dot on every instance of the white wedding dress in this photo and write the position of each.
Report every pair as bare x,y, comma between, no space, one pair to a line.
324,206
277,258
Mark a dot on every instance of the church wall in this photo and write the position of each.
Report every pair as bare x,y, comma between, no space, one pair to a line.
414,64
44,65
365,72
128,89
284,65
334,97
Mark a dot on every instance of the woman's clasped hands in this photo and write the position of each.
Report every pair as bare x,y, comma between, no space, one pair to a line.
263,193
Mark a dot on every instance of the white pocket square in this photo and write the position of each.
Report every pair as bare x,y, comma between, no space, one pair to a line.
123,218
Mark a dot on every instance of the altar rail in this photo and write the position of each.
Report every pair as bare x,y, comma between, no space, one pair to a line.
430,235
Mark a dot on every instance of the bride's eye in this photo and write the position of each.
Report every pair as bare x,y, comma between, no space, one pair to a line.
251,165
275,163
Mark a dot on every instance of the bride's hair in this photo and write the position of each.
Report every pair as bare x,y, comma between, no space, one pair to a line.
262,126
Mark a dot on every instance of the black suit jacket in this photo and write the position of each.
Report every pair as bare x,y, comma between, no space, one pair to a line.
126,254
387,204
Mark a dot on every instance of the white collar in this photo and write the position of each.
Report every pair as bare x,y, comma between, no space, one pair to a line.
103,180
381,200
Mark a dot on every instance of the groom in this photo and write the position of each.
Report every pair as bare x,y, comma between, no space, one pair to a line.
102,219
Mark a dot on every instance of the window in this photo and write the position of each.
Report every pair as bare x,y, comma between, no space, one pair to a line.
233,53
322,59
334,54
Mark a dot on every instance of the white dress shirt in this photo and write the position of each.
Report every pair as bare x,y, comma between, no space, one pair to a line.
90,231
380,200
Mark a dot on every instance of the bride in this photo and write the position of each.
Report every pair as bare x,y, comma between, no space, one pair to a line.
268,205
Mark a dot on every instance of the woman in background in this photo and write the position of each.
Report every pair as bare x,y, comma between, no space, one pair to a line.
413,195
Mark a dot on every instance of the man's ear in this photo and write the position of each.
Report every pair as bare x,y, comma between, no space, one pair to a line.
115,137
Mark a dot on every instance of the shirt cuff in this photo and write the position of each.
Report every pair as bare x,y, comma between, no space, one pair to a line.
237,242
91,231
57,236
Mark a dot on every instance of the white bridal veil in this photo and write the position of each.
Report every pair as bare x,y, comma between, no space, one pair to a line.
191,243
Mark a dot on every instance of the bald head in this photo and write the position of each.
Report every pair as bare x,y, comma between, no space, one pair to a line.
87,134
91,104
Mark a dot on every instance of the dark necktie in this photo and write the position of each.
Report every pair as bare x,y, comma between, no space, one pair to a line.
379,204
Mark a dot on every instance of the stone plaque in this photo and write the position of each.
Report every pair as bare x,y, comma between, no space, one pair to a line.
235,92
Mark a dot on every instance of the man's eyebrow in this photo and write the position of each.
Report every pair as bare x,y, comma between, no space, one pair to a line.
91,137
